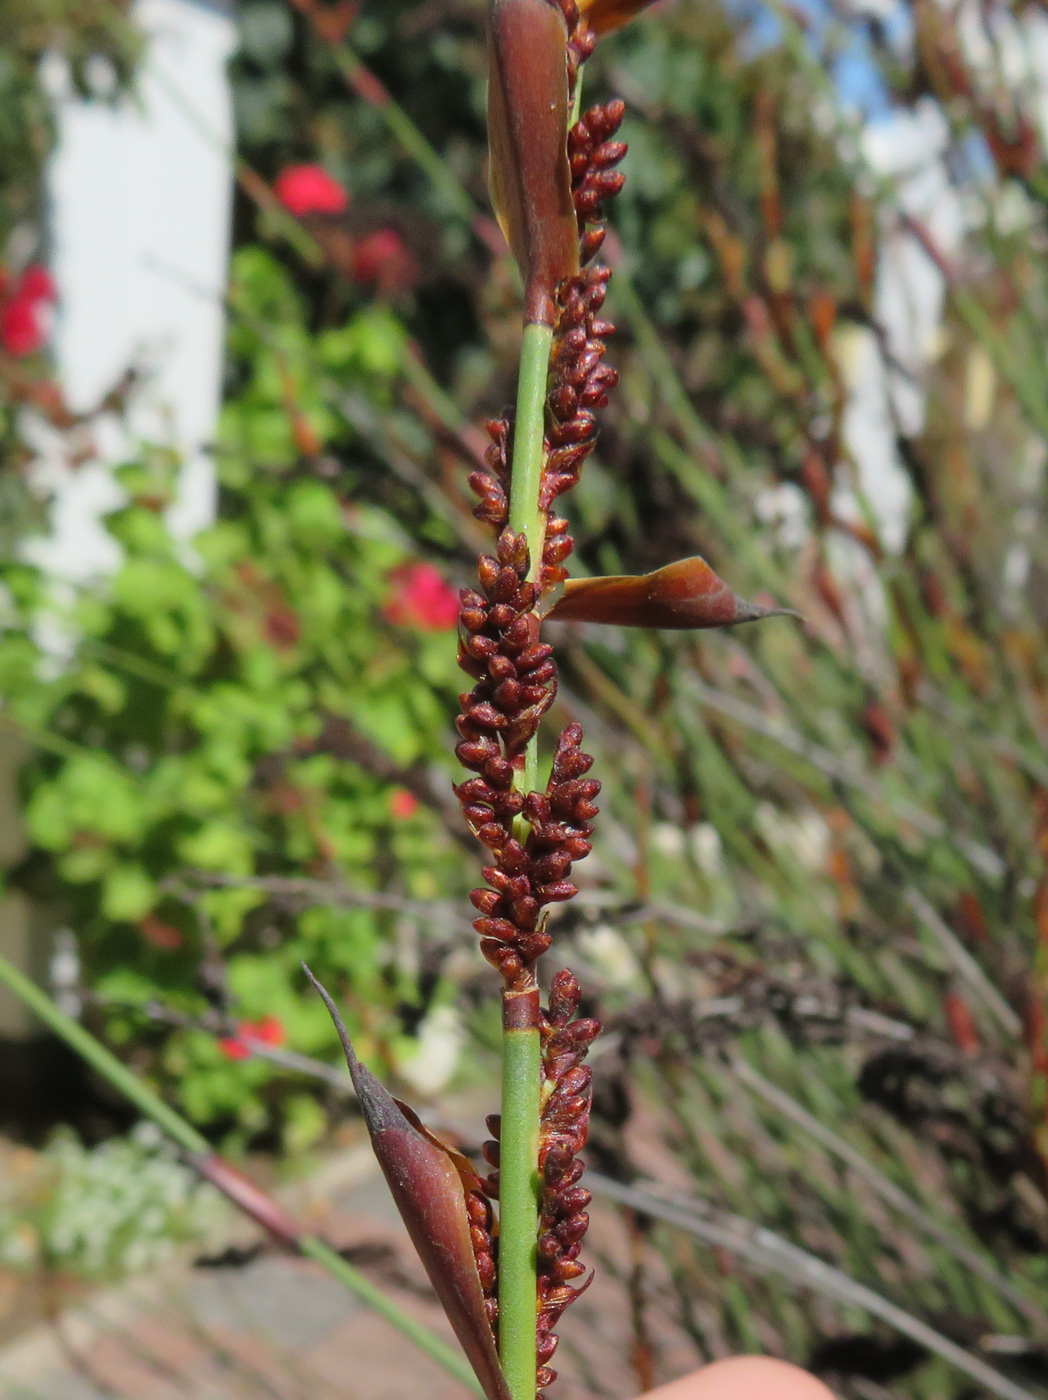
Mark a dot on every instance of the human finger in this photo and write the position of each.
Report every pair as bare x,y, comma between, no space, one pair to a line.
744,1378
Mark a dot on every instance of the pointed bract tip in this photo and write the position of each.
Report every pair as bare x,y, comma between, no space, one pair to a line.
745,611
380,1109
340,1025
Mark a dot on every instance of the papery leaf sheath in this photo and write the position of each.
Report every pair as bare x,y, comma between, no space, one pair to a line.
429,1183
684,595
528,170
602,16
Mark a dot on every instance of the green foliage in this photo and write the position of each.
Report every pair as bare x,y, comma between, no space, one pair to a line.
206,708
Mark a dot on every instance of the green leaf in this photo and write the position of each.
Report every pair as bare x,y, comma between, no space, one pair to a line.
128,893
220,846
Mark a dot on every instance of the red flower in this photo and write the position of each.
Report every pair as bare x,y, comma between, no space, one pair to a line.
159,934
37,284
420,597
268,1031
402,804
383,257
23,325
309,189
22,330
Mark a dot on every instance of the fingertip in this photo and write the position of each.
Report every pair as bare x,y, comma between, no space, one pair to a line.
744,1378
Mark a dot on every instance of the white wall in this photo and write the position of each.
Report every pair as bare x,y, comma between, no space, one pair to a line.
140,198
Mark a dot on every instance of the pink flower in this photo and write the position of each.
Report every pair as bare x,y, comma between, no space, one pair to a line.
309,189
383,257
421,597
402,804
22,329
269,1031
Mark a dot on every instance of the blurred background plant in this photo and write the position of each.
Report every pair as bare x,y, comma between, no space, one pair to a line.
817,923
120,1207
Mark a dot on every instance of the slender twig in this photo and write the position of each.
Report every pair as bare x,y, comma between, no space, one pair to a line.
1010,361
361,80
986,861
42,738
215,1024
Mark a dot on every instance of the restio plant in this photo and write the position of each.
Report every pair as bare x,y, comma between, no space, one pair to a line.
505,1273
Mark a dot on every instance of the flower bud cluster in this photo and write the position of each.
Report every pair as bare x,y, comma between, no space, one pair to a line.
514,673
492,486
592,155
580,380
564,1128
581,40
485,1249
526,875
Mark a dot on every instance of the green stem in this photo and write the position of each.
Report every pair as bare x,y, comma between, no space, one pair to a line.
525,515
521,1055
518,1202
526,469
197,1147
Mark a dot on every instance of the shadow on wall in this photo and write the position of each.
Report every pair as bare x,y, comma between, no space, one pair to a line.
44,1084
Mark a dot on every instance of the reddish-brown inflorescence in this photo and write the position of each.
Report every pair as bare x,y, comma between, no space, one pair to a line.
535,837
580,381
564,1127
485,1249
